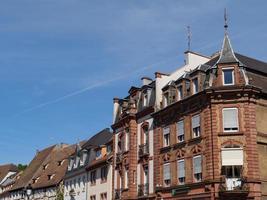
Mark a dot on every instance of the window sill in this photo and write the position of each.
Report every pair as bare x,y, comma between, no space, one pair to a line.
164,149
179,145
230,133
196,139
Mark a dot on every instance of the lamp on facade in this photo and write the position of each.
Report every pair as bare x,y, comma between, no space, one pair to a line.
28,191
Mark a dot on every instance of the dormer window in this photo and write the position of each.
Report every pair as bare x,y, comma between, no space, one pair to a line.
145,99
59,163
180,92
98,154
195,86
45,166
228,76
50,176
169,96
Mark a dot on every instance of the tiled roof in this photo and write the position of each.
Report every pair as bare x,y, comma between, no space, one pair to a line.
33,167
54,167
51,162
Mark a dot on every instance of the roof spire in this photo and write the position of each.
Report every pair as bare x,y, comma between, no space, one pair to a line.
189,35
225,21
227,54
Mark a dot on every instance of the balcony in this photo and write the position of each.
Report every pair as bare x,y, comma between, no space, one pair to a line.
143,150
117,194
143,190
231,187
119,158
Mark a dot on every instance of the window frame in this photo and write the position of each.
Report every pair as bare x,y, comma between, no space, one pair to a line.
181,180
169,135
237,120
167,184
177,132
233,75
198,127
195,85
197,176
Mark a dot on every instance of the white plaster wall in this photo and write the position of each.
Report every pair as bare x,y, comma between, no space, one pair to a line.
151,176
99,187
80,189
192,61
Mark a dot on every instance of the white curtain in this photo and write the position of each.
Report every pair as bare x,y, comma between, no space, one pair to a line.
230,118
181,170
180,127
197,164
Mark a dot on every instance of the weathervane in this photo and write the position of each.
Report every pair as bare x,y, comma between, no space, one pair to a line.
225,21
189,35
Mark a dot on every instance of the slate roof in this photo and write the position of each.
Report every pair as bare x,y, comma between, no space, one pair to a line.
227,54
98,139
4,169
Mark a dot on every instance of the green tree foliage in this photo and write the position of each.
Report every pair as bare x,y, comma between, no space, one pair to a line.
22,167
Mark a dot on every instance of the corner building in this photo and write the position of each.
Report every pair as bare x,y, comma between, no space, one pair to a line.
211,132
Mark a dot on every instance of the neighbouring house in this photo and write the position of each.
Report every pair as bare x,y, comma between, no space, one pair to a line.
77,181
44,174
8,173
100,166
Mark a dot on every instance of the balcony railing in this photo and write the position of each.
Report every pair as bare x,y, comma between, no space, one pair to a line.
143,150
234,185
118,158
117,194
143,190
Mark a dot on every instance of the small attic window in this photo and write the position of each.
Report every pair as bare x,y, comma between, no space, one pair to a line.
145,99
50,176
59,163
45,166
228,76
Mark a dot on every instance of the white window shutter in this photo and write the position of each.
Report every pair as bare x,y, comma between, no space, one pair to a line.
181,169
197,164
232,156
180,128
166,130
167,171
195,121
230,118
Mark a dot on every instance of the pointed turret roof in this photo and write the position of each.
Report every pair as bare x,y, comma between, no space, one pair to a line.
227,54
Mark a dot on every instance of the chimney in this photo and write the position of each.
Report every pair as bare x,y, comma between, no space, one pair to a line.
146,80
115,108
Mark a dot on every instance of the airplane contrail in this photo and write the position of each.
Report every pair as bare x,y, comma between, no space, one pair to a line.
90,87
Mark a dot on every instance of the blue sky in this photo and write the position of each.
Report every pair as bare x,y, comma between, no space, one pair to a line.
63,61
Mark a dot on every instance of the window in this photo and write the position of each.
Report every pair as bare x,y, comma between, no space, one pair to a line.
166,136
98,153
167,174
181,171
92,197
59,163
180,92
134,175
230,119
197,164
228,76
104,172
126,179
145,99
109,149
146,177
172,97
103,196
93,177
195,86
165,99
145,131
196,126
180,131
127,139
49,177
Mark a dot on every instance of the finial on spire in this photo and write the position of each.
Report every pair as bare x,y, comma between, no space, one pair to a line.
189,35
225,21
